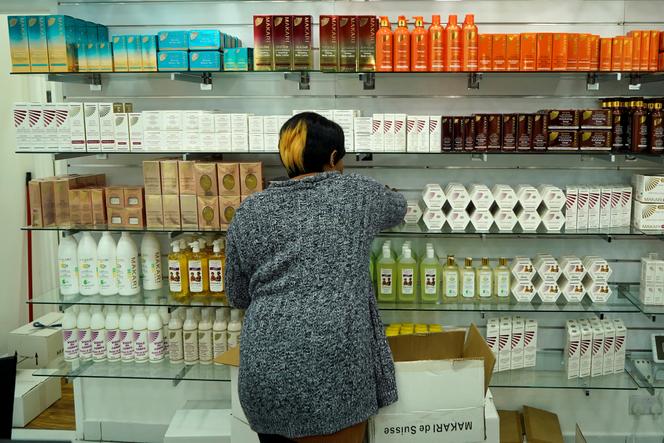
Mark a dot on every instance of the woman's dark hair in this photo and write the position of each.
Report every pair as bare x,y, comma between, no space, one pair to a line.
306,142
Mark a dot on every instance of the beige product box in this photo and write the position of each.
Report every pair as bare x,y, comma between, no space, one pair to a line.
582,208
492,337
552,197
504,196
599,291
251,178
106,127
152,141
457,196
528,197
121,131
74,207
547,267
648,188
413,212
37,347
61,187
605,207
188,212
377,133
597,360
648,216
92,127
435,138
271,142
171,120
208,212
191,121
597,268
85,207
152,120
206,179
191,141
154,212
516,356
548,291
136,131
528,219
135,217
433,196
434,219
572,291
222,123
98,201
169,177
523,269
240,123
585,350
609,347
228,175
481,219
594,207
523,291
573,351
171,206
77,127
571,207
33,394
505,220
227,207
619,346
152,177
457,219
133,197
36,215
530,343
115,197
553,220
117,217
481,196
186,177
504,344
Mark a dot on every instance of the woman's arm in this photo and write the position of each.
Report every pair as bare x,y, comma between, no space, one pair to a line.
389,206
236,281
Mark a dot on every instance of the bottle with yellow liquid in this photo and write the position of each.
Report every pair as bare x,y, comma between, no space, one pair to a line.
467,279
199,283
451,281
430,276
407,272
385,275
502,281
178,281
484,281
217,268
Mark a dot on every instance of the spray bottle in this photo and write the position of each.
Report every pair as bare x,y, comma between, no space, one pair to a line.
178,277
199,284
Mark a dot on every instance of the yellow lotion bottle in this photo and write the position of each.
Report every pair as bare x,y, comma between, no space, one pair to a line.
178,282
217,269
430,277
485,280
502,281
467,278
451,281
199,283
407,270
385,274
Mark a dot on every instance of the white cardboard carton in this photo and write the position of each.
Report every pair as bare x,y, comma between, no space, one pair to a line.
64,126
616,207
530,343
50,131
597,268
548,291
571,207
648,216
492,336
552,197
400,132
504,196
121,132
599,291
572,351
547,267
388,133
32,395
552,219
222,124
505,220
434,219
619,346
529,219
523,292
191,121
107,127
582,208
585,351
433,196
256,124
572,290
457,196
597,364
648,188
377,133
516,357
37,346
482,220
413,212
481,196
206,122
528,196
92,129
136,132
36,126
626,205
593,207
609,346
152,120
151,141
605,207
572,268
505,344
457,219
22,126
435,124
523,269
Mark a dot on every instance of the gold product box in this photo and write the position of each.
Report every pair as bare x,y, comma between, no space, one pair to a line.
135,217
98,199
74,206
171,209
46,188
206,179
133,197
152,177
116,217
85,216
229,178
208,212
154,212
251,178
115,197
187,177
227,207
188,212
36,215
169,177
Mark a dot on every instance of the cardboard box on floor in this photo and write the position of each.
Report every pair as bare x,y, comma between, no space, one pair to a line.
540,427
32,396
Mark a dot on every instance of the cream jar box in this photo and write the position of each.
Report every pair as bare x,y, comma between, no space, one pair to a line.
504,196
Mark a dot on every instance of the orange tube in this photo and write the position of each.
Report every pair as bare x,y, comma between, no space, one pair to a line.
470,44
402,46
384,47
436,45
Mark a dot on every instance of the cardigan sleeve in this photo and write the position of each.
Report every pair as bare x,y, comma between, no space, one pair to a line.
236,279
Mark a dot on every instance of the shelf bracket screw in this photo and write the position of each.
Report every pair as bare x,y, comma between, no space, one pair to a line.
368,80
474,79
592,83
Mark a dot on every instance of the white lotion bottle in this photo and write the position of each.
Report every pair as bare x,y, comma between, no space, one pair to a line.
126,335
107,265
175,345
190,338
88,281
70,334
205,349
68,266
98,330
84,333
113,341
155,336
140,326
234,329
165,318
151,262
127,258
220,333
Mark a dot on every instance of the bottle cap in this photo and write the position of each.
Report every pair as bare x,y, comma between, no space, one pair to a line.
195,246
235,314
435,19
452,19
502,261
469,19
485,261
176,246
450,260
469,261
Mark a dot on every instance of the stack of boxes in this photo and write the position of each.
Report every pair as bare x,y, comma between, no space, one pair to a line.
125,206
394,329
651,290
134,53
200,50
571,280
546,280
597,207
348,43
523,272
648,202
513,342
596,280
283,43
594,347
571,129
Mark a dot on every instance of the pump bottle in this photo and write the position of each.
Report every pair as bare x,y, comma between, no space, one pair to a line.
419,47
402,46
190,338
430,276
178,277
112,325
98,334
436,45
70,334
107,265
87,265
451,281
384,46
220,333
407,271
84,334
175,346
68,266
470,44
140,326
127,257
151,262
155,336
216,265
205,345
385,275
234,329
198,271
126,326
452,45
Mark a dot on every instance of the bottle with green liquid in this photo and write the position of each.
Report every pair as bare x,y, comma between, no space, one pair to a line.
407,271
430,276
467,279
484,284
385,275
450,281
502,281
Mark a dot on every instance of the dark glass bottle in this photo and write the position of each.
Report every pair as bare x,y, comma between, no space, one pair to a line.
617,134
639,135
656,128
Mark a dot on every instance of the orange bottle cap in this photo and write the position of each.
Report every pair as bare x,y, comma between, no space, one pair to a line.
469,19
452,20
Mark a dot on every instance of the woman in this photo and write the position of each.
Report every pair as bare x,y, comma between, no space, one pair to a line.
314,360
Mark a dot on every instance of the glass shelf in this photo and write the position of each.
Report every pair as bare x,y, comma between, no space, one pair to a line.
95,228
549,373
632,293
163,370
646,373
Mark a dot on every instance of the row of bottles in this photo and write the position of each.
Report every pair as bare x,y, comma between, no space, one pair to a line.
108,268
403,279
451,48
197,272
135,335
637,125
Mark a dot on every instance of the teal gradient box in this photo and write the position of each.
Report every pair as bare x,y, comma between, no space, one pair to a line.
38,43
204,40
173,61
19,47
173,40
205,61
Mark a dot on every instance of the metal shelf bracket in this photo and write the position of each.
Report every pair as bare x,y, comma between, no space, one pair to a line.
474,79
93,79
204,79
302,78
368,80
592,82
634,82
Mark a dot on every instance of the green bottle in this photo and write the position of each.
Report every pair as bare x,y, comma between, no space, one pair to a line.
430,277
407,271
385,275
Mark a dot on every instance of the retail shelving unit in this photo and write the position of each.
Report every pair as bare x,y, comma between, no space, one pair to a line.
155,391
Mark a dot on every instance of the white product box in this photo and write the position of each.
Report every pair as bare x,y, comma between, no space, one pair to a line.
200,426
523,291
552,219
552,196
36,126
605,207
504,196
481,219
597,268
626,205
121,131
652,270
151,141
594,207
239,142
32,396
433,196
528,219
171,120
571,207
377,133
547,267
609,349
422,133
530,344
616,207
50,132
256,142
619,346
648,188
206,122
413,212
572,267
208,141
92,129
435,138
505,344
516,356
647,294
548,291
585,351
363,127
223,141
222,123
345,119
64,126
362,142
388,133
107,127
271,142
582,208
571,322
457,219
22,126
648,216
434,219
528,196
505,220
191,121
572,291
37,347
77,124
523,269
572,352
481,196
599,291
457,195
400,132
136,131
172,141
412,135
191,140
152,120
597,364
492,336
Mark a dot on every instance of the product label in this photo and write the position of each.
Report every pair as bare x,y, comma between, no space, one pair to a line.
220,340
108,274
430,281
468,285
87,269
85,344
451,284
485,284
205,346
113,352
151,267
156,345
70,337
141,345
175,346
503,284
233,339
407,281
190,346
385,282
127,274
174,276
195,276
68,272
98,337
216,276
127,345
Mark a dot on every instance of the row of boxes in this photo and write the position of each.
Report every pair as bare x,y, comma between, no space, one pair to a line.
196,40
651,290
648,202
235,59
598,207
513,342
595,347
125,206
191,211
283,42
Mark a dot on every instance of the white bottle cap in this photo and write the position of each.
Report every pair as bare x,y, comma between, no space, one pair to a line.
235,315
